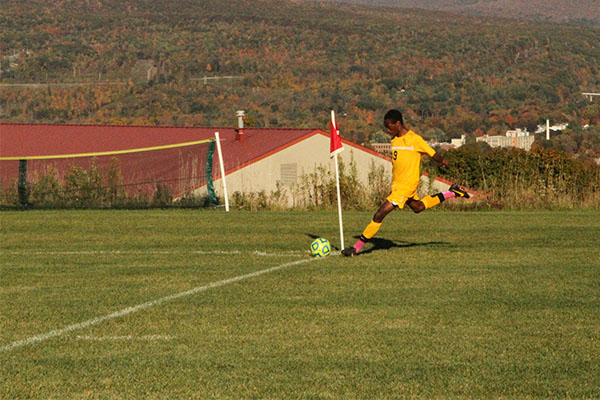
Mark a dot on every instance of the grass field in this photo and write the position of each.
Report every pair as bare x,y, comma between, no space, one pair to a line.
189,304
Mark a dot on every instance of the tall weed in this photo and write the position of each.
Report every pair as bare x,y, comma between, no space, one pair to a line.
507,178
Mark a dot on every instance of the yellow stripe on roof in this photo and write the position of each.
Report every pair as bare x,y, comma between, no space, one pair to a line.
107,153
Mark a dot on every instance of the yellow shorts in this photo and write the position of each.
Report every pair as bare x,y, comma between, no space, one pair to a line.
399,198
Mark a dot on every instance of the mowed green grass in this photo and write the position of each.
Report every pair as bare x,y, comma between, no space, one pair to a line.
444,305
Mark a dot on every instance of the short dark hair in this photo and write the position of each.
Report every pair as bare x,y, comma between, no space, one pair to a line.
394,116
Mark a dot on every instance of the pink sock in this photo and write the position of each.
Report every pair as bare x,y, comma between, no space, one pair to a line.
359,245
449,195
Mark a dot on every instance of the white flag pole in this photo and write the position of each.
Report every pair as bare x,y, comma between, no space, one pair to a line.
218,140
339,198
337,184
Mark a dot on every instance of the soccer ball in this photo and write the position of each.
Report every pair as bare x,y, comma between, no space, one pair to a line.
320,248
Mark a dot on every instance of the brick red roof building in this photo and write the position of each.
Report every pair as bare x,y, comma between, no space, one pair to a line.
263,158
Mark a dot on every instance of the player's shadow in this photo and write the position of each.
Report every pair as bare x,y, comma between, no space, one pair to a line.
386,244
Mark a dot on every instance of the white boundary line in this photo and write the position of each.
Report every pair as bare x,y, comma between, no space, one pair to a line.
116,252
126,337
130,310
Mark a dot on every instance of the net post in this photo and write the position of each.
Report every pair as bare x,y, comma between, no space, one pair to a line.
210,187
222,167
22,185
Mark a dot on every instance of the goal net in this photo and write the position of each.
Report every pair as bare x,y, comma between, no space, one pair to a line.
143,176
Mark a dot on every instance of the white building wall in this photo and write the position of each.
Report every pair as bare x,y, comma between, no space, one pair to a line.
307,155
522,142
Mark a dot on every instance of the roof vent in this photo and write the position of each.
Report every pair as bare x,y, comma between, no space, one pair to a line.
240,136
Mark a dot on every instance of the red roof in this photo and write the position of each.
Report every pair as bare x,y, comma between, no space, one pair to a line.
45,140
24,140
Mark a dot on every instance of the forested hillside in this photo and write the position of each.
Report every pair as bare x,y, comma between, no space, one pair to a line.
289,63
578,12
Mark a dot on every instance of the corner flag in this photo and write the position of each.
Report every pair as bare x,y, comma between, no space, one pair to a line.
335,148
336,140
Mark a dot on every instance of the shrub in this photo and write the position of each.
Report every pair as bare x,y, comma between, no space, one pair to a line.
517,179
510,178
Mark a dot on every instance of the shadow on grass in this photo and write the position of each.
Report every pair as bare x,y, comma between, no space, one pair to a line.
386,244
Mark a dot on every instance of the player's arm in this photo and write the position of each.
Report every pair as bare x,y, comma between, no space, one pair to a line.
440,160
424,148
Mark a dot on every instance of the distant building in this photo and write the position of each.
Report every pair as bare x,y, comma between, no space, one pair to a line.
458,142
517,133
382,148
514,138
144,70
255,159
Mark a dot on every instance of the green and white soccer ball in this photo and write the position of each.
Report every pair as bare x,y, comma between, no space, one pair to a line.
320,248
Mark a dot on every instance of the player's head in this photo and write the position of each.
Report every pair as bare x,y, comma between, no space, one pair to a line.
393,116
393,122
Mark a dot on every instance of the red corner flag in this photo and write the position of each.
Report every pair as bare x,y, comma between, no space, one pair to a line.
336,140
335,148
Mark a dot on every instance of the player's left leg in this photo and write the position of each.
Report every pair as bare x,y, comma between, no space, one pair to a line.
371,229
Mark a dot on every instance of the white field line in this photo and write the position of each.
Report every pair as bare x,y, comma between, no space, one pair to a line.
127,337
117,252
153,303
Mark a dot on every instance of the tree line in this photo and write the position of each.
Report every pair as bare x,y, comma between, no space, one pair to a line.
451,75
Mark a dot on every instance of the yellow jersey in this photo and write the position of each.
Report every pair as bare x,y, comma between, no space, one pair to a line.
406,161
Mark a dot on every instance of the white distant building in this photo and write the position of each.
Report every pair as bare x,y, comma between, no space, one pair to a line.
453,144
517,133
518,138
458,142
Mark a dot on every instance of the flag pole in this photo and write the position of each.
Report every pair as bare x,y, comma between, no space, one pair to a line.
337,178
339,199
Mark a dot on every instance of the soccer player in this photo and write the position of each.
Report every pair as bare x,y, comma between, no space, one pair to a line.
407,148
